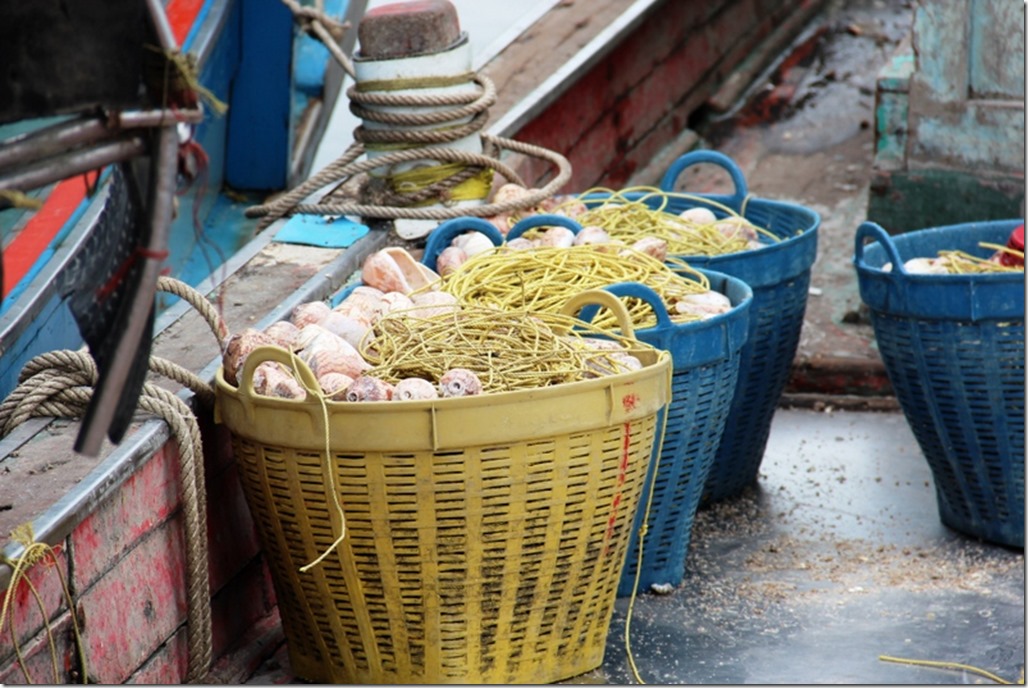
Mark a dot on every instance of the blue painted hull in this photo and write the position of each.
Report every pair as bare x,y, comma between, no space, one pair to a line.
251,56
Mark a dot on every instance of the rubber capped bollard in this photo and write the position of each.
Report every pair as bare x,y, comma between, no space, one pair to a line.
417,49
406,29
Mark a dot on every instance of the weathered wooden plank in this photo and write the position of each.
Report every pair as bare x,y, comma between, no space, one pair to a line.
550,42
237,607
147,499
39,657
634,99
232,536
150,588
168,666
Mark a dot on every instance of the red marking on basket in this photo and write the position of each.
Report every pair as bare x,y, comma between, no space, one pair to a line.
626,444
630,401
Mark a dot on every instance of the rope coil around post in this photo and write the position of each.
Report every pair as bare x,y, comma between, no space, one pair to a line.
59,384
420,145
345,168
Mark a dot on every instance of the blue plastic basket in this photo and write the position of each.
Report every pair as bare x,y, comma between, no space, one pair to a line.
779,275
705,363
705,370
953,348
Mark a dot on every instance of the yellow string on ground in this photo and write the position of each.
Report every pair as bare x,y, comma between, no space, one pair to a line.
642,538
32,554
956,666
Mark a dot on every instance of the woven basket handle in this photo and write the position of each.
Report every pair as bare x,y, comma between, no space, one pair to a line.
443,235
667,183
874,231
600,297
534,221
636,290
277,354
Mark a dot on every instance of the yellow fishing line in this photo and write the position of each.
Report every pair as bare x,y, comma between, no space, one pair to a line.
317,392
506,349
949,665
963,263
648,215
33,553
642,538
543,279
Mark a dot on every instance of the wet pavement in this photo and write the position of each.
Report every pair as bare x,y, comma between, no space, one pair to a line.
838,556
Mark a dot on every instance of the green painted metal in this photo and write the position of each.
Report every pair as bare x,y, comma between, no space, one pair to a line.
891,130
903,200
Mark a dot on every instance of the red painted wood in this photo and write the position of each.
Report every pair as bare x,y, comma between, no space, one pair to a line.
617,117
137,605
25,616
238,606
143,503
39,657
40,230
169,665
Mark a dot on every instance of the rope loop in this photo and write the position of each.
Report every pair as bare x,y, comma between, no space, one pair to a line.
315,22
59,384
417,136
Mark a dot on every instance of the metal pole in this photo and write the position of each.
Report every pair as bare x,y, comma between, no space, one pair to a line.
74,163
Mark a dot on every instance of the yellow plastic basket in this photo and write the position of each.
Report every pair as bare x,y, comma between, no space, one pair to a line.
485,536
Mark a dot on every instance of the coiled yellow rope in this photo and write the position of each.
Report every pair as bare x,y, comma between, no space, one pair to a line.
508,349
543,279
36,553
636,212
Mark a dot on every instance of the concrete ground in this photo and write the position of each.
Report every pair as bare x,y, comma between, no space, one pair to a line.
838,556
